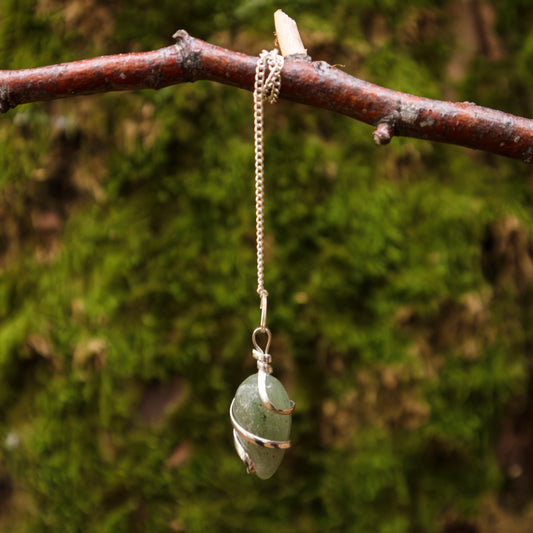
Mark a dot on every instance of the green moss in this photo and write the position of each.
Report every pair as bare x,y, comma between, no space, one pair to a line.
401,345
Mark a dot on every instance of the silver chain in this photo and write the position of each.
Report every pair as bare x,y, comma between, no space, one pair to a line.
263,90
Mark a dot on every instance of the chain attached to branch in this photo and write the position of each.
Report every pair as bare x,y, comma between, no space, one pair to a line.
261,410
265,89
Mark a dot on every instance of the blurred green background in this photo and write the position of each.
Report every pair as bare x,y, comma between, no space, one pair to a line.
400,281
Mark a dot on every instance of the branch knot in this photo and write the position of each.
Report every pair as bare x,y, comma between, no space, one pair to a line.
190,60
385,129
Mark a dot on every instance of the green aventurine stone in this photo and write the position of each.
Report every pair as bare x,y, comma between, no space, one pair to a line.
253,416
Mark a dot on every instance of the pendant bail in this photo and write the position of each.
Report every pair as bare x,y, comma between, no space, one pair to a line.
265,331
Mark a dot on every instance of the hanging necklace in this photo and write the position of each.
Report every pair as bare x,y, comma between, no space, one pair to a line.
260,412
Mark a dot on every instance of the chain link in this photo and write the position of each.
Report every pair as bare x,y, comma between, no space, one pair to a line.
264,89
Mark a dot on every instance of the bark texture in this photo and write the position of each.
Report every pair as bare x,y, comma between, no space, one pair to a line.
313,83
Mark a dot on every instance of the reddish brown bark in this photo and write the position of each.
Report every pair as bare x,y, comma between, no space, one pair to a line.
313,83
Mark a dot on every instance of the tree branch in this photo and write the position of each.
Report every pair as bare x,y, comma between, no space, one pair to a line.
313,83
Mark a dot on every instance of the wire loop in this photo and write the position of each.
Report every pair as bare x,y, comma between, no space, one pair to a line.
266,331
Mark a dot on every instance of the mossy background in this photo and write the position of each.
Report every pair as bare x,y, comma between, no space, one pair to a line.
400,281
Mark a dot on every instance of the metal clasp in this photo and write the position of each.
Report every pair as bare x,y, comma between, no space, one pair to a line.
263,306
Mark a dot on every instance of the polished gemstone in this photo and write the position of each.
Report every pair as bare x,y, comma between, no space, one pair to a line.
253,416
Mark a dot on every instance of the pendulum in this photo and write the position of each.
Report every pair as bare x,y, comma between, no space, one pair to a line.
260,414
261,410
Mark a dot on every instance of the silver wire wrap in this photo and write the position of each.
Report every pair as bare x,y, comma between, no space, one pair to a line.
254,439
264,89
263,370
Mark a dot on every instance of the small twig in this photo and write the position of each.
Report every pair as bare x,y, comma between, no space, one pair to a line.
289,40
384,132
